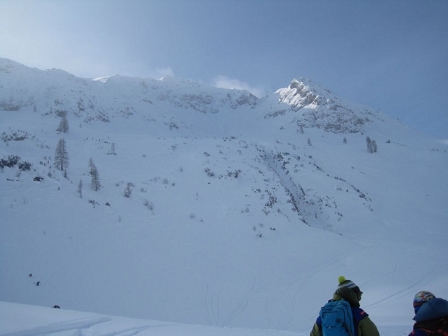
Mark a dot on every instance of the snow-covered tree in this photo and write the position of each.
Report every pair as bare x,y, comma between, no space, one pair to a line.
91,166
371,145
63,125
112,149
128,189
80,188
374,146
96,185
61,155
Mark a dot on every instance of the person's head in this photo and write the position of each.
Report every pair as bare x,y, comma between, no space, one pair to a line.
433,309
420,298
348,290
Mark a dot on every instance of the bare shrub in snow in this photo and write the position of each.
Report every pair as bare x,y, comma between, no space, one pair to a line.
148,204
128,189
209,172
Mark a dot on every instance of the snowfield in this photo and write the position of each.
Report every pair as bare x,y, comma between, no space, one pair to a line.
25,320
219,213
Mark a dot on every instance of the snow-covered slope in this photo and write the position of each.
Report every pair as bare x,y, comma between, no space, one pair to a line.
19,319
241,212
155,105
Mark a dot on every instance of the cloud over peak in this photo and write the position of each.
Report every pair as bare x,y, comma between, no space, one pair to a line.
232,83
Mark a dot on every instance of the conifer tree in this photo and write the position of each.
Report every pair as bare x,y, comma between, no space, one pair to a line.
112,149
96,185
63,125
80,188
372,147
61,156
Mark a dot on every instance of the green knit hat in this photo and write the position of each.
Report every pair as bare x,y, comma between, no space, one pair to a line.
345,283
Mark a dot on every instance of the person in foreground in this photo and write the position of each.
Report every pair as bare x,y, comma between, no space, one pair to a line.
431,315
342,315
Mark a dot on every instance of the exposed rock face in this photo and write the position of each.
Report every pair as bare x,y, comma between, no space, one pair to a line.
314,106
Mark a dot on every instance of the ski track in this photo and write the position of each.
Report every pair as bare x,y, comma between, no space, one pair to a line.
410,290
84,323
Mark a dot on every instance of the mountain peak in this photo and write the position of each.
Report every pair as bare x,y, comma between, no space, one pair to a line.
303,92
316,107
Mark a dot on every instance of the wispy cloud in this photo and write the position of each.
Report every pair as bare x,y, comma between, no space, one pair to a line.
231,83
166,71
159,72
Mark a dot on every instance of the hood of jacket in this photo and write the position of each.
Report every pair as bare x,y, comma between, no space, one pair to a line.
432,309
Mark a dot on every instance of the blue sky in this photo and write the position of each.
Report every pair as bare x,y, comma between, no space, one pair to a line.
390,55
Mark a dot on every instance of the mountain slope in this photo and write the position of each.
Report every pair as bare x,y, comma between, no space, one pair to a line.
242,212
42,320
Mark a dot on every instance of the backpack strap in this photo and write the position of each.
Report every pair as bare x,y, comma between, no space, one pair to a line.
358,315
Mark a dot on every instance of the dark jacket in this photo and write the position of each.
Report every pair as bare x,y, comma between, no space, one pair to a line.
431,317
363,324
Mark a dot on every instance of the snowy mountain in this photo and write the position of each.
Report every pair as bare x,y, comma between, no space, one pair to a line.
213,207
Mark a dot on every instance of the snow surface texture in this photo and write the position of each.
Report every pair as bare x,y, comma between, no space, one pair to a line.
24,320
241,212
